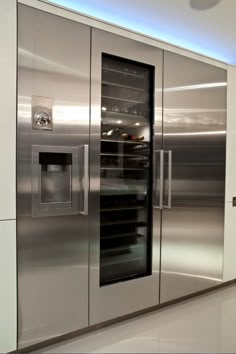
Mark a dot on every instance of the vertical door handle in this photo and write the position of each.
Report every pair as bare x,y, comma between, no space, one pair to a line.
169,179
86,180
161,177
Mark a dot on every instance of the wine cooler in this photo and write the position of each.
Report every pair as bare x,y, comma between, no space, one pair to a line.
126,100
126,150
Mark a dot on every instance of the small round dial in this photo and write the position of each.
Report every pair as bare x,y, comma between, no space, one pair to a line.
42,119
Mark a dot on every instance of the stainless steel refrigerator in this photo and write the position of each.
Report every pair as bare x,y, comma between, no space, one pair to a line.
120,176
194,138
52,175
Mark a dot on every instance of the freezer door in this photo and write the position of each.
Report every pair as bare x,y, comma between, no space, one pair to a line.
194,137
126,97
52,175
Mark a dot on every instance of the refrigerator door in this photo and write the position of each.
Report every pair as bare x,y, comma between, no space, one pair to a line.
194,128
126,123
52,175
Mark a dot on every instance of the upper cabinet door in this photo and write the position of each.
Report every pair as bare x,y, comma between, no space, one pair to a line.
126,99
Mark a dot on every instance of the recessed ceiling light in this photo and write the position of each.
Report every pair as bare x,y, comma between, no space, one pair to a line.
137,123
104,108
119,121
203,4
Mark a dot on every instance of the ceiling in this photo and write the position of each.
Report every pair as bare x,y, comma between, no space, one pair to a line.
211,32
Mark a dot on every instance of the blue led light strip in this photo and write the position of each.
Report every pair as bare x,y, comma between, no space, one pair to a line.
105,11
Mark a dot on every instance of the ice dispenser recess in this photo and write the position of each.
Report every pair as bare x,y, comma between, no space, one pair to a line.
56,180
55,177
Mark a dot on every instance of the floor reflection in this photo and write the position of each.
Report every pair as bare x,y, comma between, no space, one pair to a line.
202,325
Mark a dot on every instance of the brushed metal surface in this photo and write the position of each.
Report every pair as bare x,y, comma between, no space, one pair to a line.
194,129
119,299
52,250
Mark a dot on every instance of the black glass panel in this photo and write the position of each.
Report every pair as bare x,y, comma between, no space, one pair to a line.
55,158
55,177
126,170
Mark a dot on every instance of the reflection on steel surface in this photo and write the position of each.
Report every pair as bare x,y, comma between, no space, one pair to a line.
194,129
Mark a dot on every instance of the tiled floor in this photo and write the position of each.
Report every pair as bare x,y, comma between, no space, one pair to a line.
206,324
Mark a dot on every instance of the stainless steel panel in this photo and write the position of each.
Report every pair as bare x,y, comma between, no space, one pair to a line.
194,129
52,250
118,299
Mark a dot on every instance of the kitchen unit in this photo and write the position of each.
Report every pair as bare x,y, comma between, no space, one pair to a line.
194,133
120,176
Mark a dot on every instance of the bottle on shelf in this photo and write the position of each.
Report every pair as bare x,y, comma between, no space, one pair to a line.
104,134
125,135
119,134
125,110
115,108
134,111
132,137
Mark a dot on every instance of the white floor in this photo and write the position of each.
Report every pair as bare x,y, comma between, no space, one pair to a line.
206,324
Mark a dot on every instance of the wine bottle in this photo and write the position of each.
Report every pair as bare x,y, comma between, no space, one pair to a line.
127,136
137,138
114,133
104,134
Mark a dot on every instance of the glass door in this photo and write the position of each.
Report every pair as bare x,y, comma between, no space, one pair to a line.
126,169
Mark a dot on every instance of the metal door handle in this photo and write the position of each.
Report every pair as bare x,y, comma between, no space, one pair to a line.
169,179
161,168
86,180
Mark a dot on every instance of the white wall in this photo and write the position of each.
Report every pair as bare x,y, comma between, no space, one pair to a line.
8,307
7,175
8,109
229,271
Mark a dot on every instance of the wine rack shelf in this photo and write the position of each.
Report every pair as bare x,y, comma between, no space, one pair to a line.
123,141
124,155
122,99
122,208
122,222
110,237
127,73
122,86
